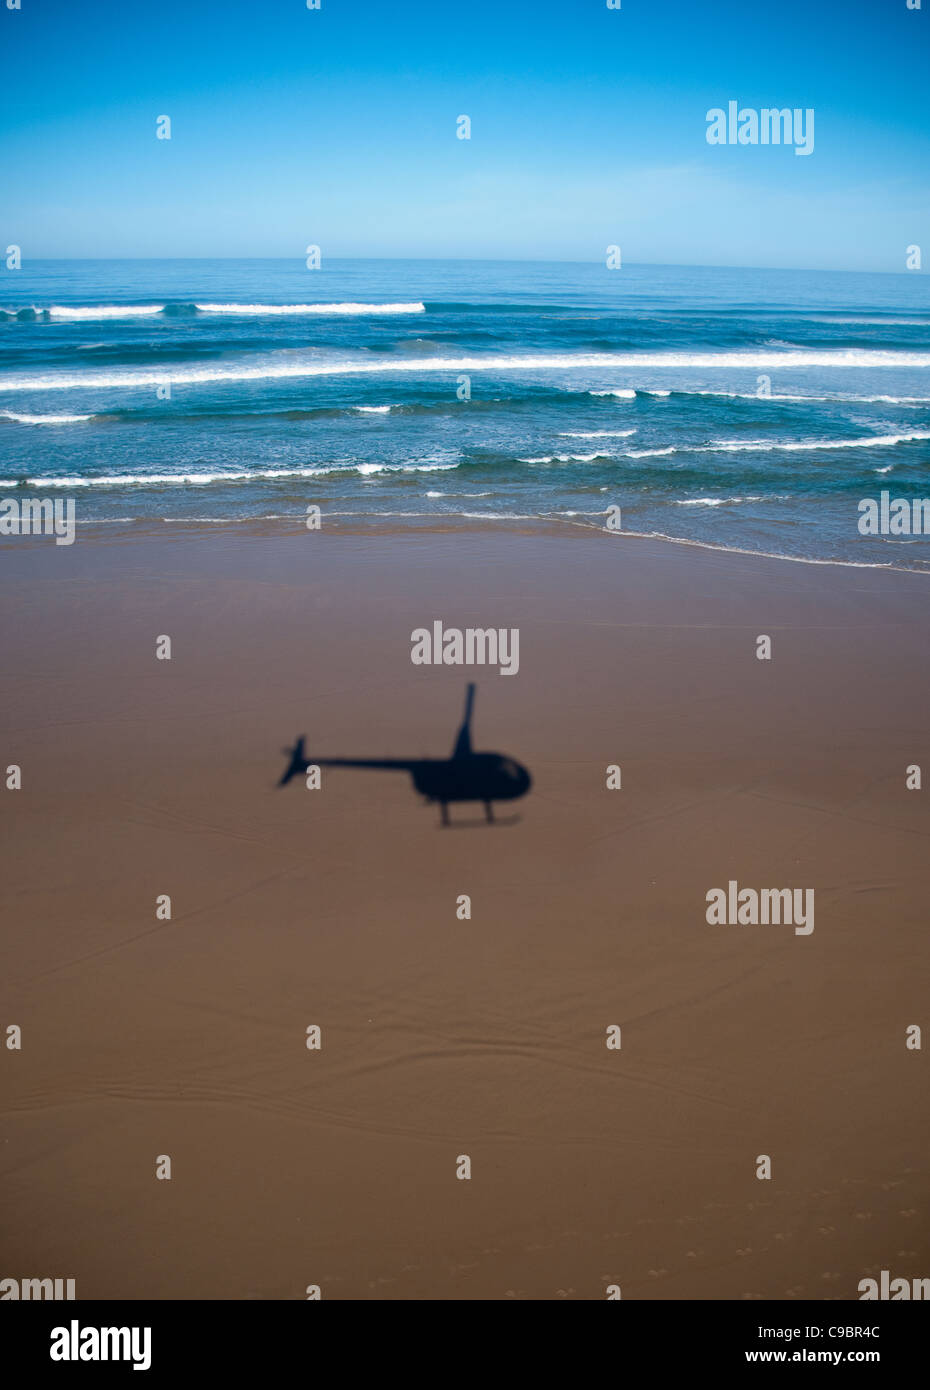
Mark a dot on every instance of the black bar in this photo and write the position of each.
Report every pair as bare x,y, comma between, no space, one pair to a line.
238,1340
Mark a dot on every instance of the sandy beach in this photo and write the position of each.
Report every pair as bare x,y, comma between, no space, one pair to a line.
590,1166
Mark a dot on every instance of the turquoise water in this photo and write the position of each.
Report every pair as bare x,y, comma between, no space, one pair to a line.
226,390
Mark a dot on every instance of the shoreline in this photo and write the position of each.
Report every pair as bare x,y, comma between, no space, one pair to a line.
132,528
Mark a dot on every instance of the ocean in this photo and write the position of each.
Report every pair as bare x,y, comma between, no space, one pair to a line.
747,409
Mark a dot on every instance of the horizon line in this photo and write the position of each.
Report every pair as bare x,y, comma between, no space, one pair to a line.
488,260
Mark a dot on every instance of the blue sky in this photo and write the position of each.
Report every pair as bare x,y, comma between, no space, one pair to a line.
337,127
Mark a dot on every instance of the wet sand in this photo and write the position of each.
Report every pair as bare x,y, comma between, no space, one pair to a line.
590,1167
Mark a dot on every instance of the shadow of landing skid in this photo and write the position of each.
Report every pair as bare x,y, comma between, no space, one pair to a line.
466,776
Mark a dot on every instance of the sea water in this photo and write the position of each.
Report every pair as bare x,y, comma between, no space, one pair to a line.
748,409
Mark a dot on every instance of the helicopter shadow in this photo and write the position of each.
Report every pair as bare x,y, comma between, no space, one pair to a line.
467,776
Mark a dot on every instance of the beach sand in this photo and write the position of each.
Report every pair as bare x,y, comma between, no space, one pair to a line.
441,1037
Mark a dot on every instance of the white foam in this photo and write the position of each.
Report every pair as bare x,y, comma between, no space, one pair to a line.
43,419
501,516
279,371
184,479
239,476
836,398
431,467
724,501
765,445
891,400
102,311
562,458
373,409
84,312
595,434
139,479
367,469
